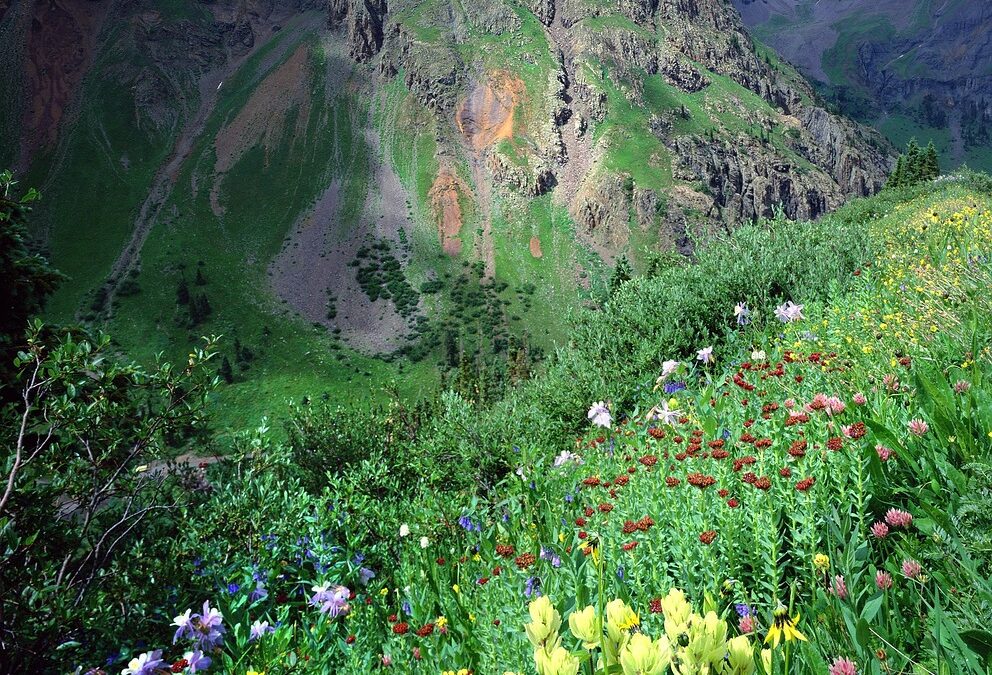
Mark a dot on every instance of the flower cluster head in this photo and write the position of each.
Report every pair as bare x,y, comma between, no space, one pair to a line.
332,600
705,355
206,629
883,580
898,518
789,312
667,412
599,415
911,569
842,666
917,427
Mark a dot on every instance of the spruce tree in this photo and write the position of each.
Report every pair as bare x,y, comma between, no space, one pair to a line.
931,163
182,292
898,177
914,163
226,371
200,280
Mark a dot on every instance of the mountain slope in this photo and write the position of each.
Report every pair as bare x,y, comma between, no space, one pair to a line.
921,67
353,191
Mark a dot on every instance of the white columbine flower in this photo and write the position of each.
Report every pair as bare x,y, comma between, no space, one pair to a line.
705,354
424,542
404,530
667,415
600,415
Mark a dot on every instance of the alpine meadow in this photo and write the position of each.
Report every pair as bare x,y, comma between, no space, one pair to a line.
505,337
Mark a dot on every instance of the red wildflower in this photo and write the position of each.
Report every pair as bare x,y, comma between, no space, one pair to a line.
798,447
350,640
747,438
763,483
621,480
525,560
629,546
655,606
700,480
763,443
750,477
805,484
605,507
629,527
707,537
180,665
672,481
733,503
655,432
425,630
504,550
497,571
589,511
582,534
723,492
483,581
392,618
785,472
677,439
719,454
441,561
591,481
648,460
401,628
645,523
857,430
835,443
581,522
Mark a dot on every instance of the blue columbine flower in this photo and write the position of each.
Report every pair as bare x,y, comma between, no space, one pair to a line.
533,587
674,387
233,588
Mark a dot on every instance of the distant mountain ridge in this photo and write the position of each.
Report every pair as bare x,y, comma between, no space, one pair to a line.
912,67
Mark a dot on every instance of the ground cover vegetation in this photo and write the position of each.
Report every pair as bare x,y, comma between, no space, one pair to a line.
772,457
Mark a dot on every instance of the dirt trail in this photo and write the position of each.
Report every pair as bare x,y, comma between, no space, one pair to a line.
165,177
577,141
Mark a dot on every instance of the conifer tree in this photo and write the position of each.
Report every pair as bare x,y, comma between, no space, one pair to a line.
622,273
182,292
914,163
226,371
931,163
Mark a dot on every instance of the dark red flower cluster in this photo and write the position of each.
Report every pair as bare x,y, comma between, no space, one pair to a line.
645,523
763,443
648,460
504,550
796,418
741,462
629,546
733,503
655,432
441,561
580,521
747,438
805,484
750,477
401,628
180,665
591,481
589,511
857,430
708,537
763,483
798,447
425,630
605,507
525,560
620,481
835,443
672,481
629,527
655,606
700,480
785,472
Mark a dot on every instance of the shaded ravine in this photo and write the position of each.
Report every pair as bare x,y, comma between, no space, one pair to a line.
165,178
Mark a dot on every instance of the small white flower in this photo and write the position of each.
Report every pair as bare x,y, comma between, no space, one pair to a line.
404,530
705,354
758,355
424,542
600,415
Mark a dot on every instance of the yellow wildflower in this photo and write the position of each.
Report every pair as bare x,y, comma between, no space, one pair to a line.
783,626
